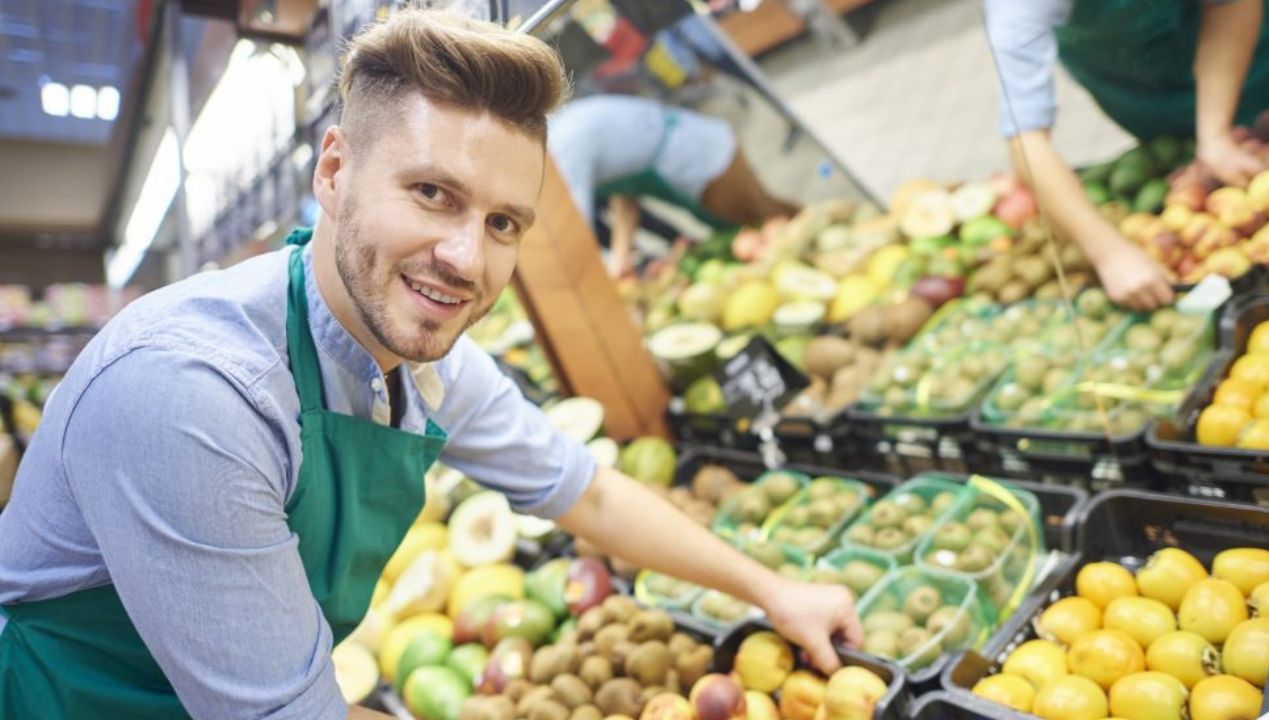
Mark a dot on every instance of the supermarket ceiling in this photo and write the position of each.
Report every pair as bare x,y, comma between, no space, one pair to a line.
64,65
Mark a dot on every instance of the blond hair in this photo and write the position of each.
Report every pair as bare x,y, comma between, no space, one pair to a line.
454,60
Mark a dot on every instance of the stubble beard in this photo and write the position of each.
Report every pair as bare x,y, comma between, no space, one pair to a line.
358,264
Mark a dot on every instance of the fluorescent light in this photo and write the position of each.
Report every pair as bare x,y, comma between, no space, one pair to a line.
156,196
83,101
108,102
55,98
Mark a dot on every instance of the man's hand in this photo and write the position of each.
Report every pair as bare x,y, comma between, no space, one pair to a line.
1131,277
810,615
1227,161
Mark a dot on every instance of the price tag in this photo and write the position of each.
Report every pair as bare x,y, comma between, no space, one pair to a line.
758,379
1206,296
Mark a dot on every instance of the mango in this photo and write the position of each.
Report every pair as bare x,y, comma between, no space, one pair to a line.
485,581
800,695
764,661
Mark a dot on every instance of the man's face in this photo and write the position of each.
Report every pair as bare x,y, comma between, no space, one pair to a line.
429,223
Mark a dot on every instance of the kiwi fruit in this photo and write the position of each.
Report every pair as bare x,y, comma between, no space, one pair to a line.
922,602
951,621
942,502
917,525
952,536
595,671
861,534
974,558
619,696
778,486
822,489
649,663
891,620
859,576
890,538
882,643
993,539
798,516
823,513
571,690
766,553
887,514
911,503
982,518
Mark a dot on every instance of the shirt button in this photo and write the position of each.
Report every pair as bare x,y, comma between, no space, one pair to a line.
376,385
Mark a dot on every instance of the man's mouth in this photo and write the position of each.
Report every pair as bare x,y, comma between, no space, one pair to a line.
432,293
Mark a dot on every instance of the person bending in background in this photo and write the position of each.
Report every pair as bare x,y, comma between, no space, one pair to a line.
622,147
1179,67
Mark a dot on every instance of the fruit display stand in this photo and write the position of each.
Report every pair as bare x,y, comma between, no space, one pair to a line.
1210,470
1141,368
768,670
1120,527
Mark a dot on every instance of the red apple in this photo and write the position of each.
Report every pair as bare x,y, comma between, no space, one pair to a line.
718,697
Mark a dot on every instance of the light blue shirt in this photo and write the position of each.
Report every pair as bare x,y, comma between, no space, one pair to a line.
166,457
1023,39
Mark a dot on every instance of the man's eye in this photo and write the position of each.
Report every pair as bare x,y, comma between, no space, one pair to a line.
429,191
501,223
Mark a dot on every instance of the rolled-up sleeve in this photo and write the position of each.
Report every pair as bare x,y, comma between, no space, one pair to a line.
181,478
504,442
1023,39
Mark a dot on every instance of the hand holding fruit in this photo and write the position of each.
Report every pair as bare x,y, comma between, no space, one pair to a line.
809,615
1229,162
1130,277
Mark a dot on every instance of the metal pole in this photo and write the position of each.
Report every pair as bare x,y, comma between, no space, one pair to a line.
178,109
545,14
759,81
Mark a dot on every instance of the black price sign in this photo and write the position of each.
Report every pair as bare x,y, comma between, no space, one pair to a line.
758,377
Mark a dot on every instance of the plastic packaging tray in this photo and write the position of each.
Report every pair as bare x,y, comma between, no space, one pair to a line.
839,558
1008,569
926,488
1202,470
1126,527
728,524
782,518
894,705
1061,507
959,592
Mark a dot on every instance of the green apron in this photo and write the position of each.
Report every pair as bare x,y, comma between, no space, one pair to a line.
360,488
1136,58
650,183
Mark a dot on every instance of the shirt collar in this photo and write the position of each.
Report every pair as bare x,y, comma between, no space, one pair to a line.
333,339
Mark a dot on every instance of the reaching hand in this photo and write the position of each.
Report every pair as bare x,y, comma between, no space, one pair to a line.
1132,278
810,615
1230,163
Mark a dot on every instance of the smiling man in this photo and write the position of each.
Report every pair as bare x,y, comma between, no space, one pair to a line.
226,469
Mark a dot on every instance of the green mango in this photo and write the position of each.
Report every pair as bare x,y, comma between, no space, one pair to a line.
1125,180
931,245
546,585
1167,151
1098,173
981,231
1151,196
1097,192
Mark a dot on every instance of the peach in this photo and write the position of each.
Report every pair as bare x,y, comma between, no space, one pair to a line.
718,697
1216,237
1230,262
1225,199
1136,226
760,706
853,694
1166,248
763,661
1196,228
1258,192
1189,193
1176,217
668,706
801,695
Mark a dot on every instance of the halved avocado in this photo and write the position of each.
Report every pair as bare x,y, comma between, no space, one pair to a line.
685,351
580,418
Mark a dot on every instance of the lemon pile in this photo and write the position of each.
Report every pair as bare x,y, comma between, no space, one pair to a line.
1169,643
1239,413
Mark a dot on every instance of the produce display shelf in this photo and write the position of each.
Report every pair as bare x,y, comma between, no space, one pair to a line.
909,445
894,705
1121,526
1202,470
803,440
748,465
943,705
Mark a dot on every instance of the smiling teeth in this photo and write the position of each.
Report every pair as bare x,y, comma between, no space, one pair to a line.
433,295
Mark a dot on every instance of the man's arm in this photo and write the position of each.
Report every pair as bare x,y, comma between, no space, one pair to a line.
1024,45
1130,276
1227,41
623,518
182,482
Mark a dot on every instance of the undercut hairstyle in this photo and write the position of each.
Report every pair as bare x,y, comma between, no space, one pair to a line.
450,59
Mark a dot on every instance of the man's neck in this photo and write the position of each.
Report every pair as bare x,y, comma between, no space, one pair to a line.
336,297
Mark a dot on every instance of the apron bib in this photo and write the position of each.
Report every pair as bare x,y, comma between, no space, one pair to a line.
1136,58
360,488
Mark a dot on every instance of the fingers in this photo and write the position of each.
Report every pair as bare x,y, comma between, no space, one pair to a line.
852,629
823,656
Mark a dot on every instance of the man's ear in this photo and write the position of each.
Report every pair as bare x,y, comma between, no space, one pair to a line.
333,159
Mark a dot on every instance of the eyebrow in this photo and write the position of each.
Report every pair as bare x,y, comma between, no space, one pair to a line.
520,213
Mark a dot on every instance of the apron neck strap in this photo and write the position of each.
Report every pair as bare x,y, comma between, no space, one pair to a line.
304,364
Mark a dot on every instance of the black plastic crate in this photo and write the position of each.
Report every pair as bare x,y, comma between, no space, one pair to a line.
713,429
894,705
910,445
809,441
1201,470
1092,460
801,439
947,706
1126,527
